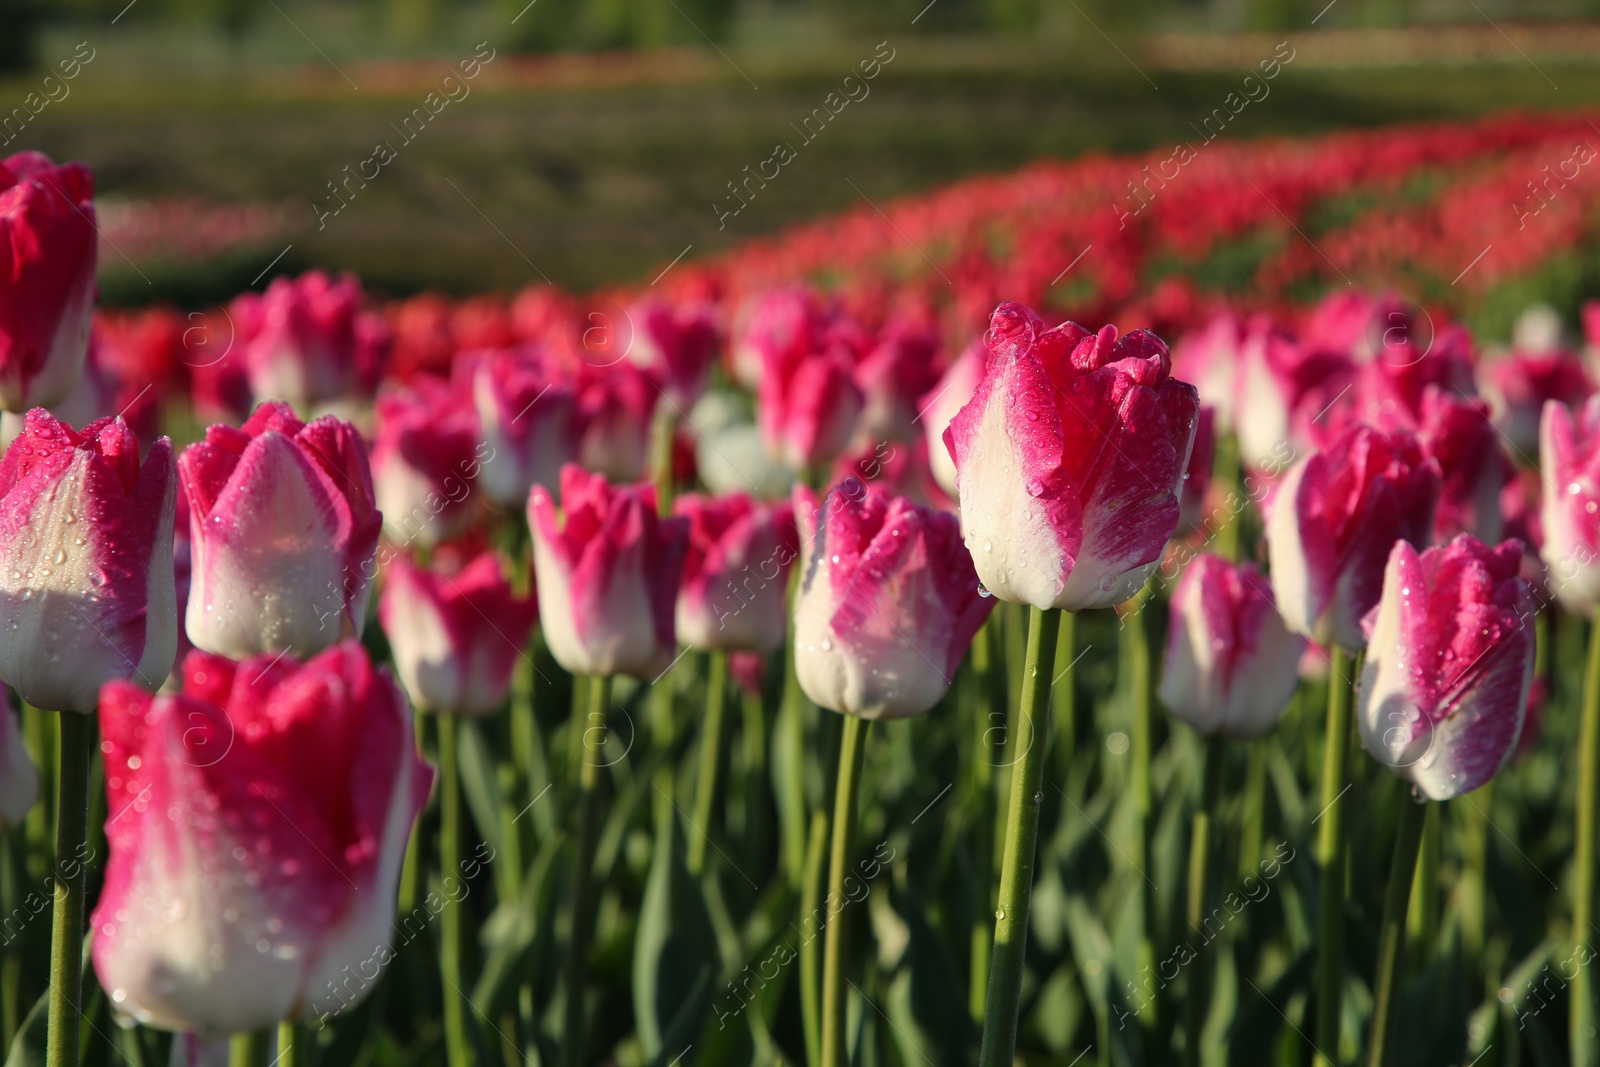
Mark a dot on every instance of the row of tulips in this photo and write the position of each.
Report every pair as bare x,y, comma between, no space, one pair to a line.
263,810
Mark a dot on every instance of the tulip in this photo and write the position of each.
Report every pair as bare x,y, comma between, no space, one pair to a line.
1473,466
425,462
19,779
86,568
1442,699
676,344
808,411
735,573
1333,521
526,422
1231,665
887,607
1070,460
47,232
778,328
1522,383
456,636
283,529
615,406
1569,464
311,341
893,374
256,822
1449,663
607,577
946,398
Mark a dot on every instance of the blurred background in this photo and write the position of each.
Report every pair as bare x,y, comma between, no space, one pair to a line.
598,138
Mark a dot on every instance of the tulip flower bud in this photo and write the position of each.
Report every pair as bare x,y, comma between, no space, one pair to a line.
615,406
676,344
310,341
607,577
526,422
1449,663
888,606
47,229
257,823
425,462
1521,383
736,573
1332,522
1569,465
1231,666
86,574
1070,459
456,635
19,778
937,408
892,375
283,529
808,411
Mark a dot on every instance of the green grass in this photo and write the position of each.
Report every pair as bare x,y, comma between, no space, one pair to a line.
606,184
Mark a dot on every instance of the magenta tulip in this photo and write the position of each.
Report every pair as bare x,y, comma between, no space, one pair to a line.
527,425
735,573
457,634
283,528
1333,521
678,345
887,607
1070,460
47,263
257,822
307,341
425,462
1569,465
607,576
1231,665
86,575
1449,664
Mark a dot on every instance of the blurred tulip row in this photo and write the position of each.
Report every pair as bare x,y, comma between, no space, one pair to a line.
767,669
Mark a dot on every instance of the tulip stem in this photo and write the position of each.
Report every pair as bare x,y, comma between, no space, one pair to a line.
1331,855
1136,643
705,791
291,1050
1392,935
1585,1052
663,431
852,745
810,961
1198,997
593,731
458,1049
248,1049
1021,837
78,733
1422,919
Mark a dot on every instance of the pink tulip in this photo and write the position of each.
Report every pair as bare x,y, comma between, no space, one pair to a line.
47,263
615,408
283,528
887,607
527,421
85,561
777,328
456,634
310,341
257,823
1520,386
940,405
735,573
1070,459
1569,511
1333,521
1231,665
900,368
1449,663
676,344
1473,465
19,778
425,462
808,410
607,577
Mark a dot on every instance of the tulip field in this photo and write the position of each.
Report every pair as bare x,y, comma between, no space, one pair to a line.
1134,610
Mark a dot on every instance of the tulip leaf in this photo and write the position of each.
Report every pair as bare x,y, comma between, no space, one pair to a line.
480,782
28,1047
675,946
514,932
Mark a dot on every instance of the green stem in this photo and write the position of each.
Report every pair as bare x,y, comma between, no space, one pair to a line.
789,776
248,1049
990,705
291,1046
852,745
1474,813
1422,919
1225,470
78,735
589,790
1392,935
705,790
458,1049
1021,837
1585,1053
1331,855
810,954
1136,644
662,432
1198,997
1254,815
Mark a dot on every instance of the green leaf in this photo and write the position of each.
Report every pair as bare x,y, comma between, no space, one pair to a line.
28,1047
674,948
